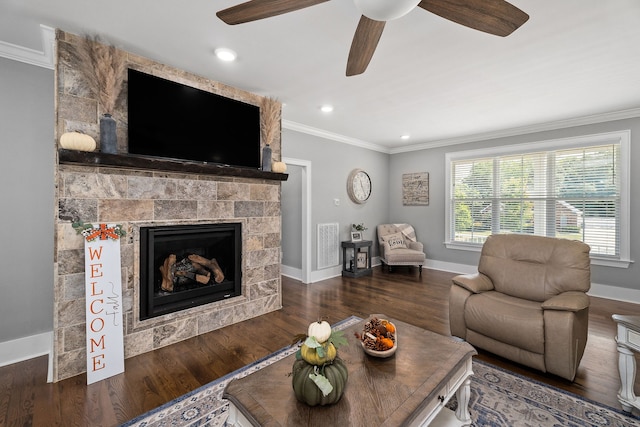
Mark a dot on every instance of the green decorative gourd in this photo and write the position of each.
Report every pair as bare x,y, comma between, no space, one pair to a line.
308,392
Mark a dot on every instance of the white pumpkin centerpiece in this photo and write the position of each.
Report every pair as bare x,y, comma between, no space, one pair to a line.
321,330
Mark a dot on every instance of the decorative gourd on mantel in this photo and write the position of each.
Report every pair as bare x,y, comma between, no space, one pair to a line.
279,167
77,141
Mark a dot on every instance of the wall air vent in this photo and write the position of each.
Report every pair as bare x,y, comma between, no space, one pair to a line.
328,245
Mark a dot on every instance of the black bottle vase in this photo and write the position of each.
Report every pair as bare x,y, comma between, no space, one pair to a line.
108,137
266,158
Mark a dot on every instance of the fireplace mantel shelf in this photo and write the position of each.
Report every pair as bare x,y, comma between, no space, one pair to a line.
131,161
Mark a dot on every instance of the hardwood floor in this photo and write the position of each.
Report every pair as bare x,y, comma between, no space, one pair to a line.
152,379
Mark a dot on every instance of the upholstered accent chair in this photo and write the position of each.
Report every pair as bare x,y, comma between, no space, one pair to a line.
399,246
527,302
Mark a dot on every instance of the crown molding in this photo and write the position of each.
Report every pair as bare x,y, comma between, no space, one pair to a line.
299,127
44,58
523,130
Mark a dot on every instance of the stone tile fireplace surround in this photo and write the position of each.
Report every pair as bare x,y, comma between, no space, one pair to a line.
138,197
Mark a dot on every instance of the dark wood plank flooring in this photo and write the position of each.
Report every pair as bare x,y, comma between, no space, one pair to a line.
154,378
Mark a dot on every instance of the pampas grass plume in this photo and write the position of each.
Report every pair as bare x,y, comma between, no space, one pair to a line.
270,119
102,66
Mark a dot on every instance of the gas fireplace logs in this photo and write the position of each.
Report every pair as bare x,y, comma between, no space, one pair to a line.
211,264
168,273
193,267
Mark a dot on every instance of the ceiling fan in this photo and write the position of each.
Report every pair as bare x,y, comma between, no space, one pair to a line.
496,17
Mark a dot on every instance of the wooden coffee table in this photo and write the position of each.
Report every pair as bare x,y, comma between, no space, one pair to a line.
628,340
408,389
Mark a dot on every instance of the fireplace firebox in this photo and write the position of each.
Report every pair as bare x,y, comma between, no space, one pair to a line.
184,266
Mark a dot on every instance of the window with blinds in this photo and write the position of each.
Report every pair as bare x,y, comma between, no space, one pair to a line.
573,189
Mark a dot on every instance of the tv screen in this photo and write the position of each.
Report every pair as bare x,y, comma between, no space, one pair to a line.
172,120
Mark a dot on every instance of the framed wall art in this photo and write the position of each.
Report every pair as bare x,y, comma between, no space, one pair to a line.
415,189
361,260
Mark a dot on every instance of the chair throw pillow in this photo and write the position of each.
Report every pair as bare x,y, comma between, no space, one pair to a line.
395,241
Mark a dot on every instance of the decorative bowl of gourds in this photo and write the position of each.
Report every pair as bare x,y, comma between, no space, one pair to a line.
379,338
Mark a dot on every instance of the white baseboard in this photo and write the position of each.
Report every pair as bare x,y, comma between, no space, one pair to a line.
597,289
292,272
326,273
316,276
451,267
335,271
615,293
26,348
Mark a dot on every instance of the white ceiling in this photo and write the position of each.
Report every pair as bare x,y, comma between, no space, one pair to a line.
431,78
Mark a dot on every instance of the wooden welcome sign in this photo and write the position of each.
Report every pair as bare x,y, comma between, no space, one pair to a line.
103,287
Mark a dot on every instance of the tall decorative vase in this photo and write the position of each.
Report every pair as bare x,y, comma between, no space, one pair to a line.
108,137
266,158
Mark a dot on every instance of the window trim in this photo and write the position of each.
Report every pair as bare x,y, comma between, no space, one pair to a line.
622,137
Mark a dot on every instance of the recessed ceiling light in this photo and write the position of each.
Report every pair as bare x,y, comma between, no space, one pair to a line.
405,136
326,108
225,54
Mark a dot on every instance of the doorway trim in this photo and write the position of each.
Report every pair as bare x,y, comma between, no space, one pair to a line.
306,214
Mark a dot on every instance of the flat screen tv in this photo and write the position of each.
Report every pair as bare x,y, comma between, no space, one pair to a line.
176,121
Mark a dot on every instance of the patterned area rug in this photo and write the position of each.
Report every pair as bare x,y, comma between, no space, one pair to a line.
498,398
503,398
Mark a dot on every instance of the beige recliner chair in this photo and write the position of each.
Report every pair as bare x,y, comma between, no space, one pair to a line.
527,302
399,246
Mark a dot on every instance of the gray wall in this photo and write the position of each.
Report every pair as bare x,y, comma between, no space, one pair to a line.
331,163
430,220
26,170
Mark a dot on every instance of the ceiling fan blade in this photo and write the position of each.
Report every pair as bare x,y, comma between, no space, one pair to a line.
364,43
260,9
491,16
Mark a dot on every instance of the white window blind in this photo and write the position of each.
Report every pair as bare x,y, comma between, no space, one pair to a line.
572,189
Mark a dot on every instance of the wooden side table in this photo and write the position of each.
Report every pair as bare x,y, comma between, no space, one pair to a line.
355,270
628,340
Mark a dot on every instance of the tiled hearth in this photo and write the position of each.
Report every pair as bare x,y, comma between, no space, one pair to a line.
139,197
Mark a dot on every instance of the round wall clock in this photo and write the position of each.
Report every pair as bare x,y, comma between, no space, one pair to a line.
359,186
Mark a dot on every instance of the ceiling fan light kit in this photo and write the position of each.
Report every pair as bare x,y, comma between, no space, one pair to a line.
497,17
385,10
